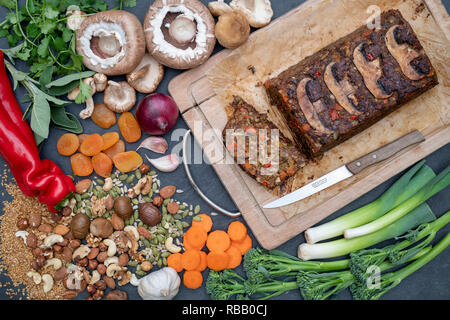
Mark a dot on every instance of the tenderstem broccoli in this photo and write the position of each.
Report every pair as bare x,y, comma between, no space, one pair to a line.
361,291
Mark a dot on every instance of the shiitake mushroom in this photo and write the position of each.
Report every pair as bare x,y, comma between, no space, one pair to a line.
80,225
149,214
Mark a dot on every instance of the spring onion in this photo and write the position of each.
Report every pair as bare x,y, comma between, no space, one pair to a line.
361,291
441,181
411,182
340,247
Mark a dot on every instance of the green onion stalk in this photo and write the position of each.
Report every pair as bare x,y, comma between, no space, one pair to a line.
422,214
361,291
406,186
437,184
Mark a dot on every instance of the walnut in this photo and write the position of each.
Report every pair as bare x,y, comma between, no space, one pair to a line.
137,256
92,241
131,193
124,278
121,240
98,206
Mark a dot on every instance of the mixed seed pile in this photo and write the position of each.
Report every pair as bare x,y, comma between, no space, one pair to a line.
94,243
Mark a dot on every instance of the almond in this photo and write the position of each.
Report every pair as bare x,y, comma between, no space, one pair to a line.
61,230
167,191
93,253
82,186
102,256
123,259
173,207
110,282
117,222
46,228
145,233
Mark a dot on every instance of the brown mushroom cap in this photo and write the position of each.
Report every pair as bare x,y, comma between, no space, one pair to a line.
232,29
181,54
147,75
111,42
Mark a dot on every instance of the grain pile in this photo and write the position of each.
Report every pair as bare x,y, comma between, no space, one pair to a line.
15,256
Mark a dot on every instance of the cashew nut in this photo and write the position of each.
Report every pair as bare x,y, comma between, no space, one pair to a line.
55,262
111,260
22,234
171,246
113,269
72,203
81,252
108,184
95,277
133,231
112,248
50,240
47,281
36,276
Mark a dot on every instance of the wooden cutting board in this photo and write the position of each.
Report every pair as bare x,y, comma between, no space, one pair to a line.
203,110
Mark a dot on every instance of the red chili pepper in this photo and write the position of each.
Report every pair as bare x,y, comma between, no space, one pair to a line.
35,177
354,117
265,183
267,165
370,56
318,74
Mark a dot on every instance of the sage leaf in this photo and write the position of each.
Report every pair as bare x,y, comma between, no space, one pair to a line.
69,78
46,75
65,120
40,116
59,91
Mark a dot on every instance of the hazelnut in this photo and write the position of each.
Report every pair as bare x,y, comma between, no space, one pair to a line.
57,248
93,253
83,262
35,219
35,266
123,259
22,223
60,274
67,254
109,203
144,168
40,261
66,211
91,289
149,214
31,240
37,252
93,264
117,295
102,256
55,217
98,295
158,201
100,285
75,243
63,243
101,268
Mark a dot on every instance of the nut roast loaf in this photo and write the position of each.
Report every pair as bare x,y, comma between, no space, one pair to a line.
349,85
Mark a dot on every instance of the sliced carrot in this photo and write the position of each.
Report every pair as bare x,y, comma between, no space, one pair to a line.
196,237
203,263
217,260
174,261
235,257
192,279
204,221
218,241
190,259
188,246
243,246
237,231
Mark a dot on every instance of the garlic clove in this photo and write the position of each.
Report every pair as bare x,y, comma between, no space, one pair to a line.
167,163
155,144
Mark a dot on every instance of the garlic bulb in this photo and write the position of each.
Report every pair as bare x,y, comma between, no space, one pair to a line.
159,285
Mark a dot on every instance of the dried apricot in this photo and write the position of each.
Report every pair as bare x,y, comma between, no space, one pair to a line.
67,144
92,145
81,138
115,149
127,161
109,139
102,165
129,127
103,116
81,165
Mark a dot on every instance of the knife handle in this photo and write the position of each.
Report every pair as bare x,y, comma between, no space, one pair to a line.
385,152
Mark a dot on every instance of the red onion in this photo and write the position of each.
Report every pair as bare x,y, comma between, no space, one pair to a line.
157,113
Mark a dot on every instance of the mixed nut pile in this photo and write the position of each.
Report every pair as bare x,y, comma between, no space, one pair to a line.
110,225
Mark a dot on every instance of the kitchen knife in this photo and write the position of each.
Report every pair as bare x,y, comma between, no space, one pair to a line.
348,170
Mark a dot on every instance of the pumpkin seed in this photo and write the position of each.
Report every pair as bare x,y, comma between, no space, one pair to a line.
177,216
159,263
164,210
161,230
154,186
155,251
88,212
197,209
167,201
151,259
164,261
100,182
91,187
123,177
146,243
77,197
182,207
138,174
132,263
160,238
84,196
134,201
136,214
154,241
165,254
141,273
197,218
147,199
130,179
184,224
185,213
152,173
140,224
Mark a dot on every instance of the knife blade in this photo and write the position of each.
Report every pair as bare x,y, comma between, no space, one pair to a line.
348,170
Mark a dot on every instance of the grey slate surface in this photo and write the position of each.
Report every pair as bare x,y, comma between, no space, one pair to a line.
431,282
